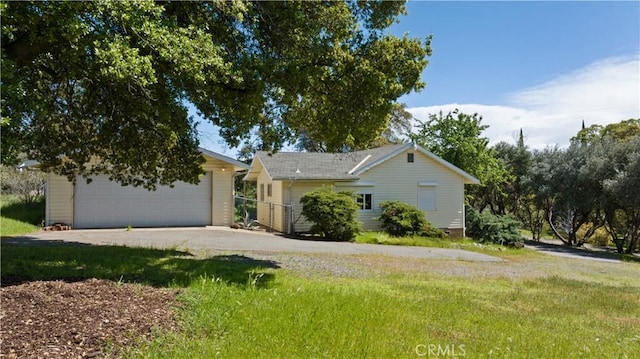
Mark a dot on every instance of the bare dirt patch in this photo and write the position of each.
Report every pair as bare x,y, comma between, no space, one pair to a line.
90,318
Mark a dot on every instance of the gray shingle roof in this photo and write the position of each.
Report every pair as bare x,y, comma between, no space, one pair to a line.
320,166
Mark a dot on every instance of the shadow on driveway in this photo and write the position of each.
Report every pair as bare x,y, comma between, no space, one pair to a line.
573,252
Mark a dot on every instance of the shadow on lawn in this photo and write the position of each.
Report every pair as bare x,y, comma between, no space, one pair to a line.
25,212
25,260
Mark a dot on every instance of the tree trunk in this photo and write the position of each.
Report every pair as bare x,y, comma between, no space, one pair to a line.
555,230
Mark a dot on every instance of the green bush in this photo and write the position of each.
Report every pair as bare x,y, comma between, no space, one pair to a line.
401,219
433,232
333,214
489,228
600,237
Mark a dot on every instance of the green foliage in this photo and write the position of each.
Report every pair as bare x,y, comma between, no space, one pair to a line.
600,236
401,219
334,214
620,175
28,185
457,138
418,241
119,89
433,232
489,228
400,122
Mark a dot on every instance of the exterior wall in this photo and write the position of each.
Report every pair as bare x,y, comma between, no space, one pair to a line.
59,200
396,179
60,195
279,222
263,206
221,191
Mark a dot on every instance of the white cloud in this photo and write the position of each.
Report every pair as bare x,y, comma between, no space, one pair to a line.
603,92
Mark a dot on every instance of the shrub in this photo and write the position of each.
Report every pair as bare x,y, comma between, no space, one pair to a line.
433,232
333,214
489,228
599,238
401,219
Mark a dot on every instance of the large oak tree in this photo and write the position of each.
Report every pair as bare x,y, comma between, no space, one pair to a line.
112,80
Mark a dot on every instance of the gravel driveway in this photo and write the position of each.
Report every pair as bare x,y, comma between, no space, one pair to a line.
227,239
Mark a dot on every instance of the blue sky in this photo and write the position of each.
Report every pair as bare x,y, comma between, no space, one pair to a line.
540,66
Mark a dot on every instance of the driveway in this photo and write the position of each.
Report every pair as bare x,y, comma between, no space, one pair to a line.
227,239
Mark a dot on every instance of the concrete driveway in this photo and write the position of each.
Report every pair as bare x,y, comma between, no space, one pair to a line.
227,239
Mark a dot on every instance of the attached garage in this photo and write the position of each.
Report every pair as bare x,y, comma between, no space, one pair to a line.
106,204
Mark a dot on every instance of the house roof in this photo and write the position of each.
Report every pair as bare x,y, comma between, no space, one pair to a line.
334,166
238,165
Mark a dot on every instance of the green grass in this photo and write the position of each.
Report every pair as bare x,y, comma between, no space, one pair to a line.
457,243
238,307
391,317
17,218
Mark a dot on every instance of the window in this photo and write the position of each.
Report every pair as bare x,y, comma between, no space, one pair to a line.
262,192
269,190
365,201
427,197
410,157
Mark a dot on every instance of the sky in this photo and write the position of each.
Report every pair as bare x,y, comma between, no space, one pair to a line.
542,67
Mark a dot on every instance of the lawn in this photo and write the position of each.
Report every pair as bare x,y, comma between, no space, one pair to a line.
239,306
371,237
17,218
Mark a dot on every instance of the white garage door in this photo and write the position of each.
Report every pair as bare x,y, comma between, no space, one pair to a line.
106,204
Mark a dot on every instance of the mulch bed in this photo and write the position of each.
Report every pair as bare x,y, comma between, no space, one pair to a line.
57,319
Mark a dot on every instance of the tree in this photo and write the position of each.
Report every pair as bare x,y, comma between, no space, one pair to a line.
624,191
456,137
28,185
616,163
400,122
104,87
577,196
613,163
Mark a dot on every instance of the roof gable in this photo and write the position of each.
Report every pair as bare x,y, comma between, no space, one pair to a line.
468,179
238,165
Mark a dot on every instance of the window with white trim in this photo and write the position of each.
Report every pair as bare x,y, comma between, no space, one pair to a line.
269,190
262,192
410,157
365,201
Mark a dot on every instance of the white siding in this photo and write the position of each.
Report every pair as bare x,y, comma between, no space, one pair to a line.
60,195
397,179
59,200
394,179
221,191
107,204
